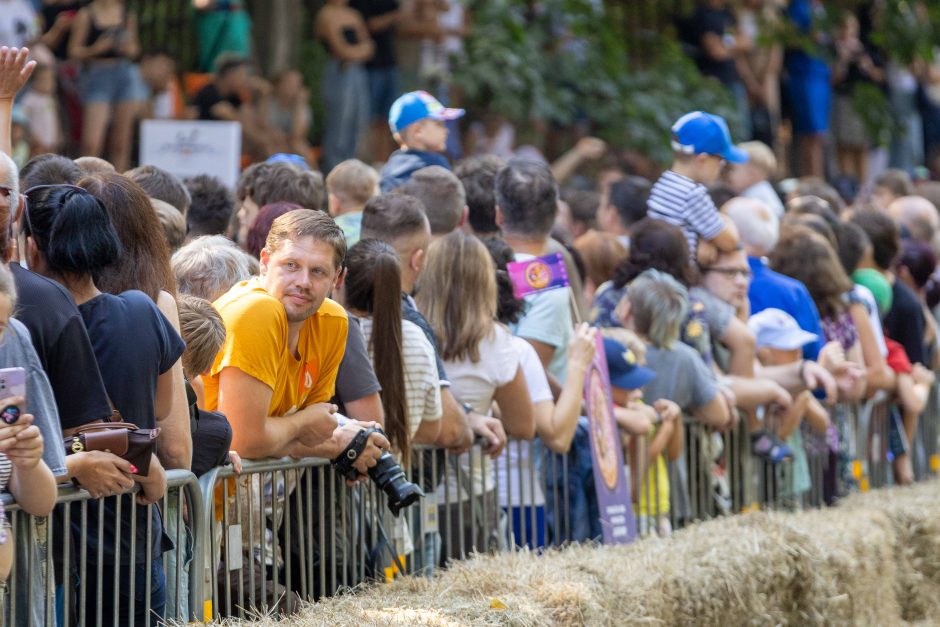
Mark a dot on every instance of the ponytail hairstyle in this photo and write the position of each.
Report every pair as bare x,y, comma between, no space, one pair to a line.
373,285
72,230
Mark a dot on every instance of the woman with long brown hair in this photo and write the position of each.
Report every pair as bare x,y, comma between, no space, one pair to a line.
402,356
145,266
457,294
808,257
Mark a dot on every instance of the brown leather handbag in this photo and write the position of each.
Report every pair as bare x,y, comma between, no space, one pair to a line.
124,439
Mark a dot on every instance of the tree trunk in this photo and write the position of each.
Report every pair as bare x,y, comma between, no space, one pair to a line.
278,25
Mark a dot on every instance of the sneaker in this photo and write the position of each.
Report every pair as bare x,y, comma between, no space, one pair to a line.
770,448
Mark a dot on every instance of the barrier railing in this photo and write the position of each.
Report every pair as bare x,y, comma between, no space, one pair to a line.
289,530
70,564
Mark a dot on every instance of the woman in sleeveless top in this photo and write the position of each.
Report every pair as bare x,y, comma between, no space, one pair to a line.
346,85
104,38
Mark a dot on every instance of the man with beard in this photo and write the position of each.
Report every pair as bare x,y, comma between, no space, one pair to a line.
285,339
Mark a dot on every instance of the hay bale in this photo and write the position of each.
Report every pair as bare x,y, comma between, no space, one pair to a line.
850,565
914,512
861,563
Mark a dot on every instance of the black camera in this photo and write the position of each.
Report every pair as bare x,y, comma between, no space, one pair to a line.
387,473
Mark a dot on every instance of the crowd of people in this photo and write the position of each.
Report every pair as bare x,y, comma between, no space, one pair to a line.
823,73
292,315
817,84
95,81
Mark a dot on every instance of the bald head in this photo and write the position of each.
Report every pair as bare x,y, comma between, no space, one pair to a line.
758,227
9,177
917,216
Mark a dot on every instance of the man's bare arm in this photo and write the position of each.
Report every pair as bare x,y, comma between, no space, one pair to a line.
245,400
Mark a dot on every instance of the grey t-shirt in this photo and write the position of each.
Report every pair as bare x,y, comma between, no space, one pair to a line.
681,377
355,378
718,313
16,350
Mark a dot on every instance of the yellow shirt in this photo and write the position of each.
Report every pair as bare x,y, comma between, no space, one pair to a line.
655,488
256,344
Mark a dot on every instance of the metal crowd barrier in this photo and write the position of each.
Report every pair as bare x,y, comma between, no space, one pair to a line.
289,530
53,561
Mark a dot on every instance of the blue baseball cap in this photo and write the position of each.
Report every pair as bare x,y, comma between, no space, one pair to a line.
625,372
699,133
419,105
287,157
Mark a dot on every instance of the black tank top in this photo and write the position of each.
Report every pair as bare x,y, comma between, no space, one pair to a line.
118,33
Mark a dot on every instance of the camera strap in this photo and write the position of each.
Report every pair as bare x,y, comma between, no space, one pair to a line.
343,463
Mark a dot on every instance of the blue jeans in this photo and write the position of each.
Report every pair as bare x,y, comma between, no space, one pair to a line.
346,95
583,514
121,597
384,88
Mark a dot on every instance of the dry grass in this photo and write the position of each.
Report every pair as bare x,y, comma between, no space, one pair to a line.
875,561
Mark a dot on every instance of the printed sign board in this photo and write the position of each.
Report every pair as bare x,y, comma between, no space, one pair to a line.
190,147
613,493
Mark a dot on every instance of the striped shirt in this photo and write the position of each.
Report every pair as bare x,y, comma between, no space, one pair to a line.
6,469
679,200
422,383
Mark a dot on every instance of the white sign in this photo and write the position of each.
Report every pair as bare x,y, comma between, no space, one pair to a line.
190,147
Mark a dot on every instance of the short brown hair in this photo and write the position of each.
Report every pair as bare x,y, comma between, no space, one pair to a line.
391,216
353,182
203,330
267,183
172,221
299,223
162,185
602,253
441,193
897,181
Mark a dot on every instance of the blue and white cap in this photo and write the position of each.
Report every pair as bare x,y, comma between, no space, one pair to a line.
419,105
699,133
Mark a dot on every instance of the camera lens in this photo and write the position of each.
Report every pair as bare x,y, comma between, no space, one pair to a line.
391,478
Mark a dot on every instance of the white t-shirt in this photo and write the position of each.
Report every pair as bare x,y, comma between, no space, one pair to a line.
19,23
516,464
865,295
476,383
422,385
43,116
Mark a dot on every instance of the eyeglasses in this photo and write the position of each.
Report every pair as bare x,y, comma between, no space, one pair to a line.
732,273
36,188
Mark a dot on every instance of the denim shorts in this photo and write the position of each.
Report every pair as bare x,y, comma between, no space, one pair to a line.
111,82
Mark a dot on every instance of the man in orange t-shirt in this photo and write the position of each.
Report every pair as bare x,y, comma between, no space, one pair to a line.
284,341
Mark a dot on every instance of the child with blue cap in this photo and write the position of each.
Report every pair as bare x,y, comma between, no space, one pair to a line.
662,423
701,145
418,123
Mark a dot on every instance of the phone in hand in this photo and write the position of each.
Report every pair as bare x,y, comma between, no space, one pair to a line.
12,383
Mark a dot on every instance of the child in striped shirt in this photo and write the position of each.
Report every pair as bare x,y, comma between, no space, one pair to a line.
702,144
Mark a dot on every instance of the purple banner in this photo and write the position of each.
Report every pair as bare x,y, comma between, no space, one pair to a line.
538,275
613,493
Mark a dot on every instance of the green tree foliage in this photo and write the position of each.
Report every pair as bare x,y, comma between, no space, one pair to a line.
618,63
566,58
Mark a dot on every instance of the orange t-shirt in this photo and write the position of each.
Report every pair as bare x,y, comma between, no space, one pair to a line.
256,344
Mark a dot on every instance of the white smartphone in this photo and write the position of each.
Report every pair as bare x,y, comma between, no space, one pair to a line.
12,383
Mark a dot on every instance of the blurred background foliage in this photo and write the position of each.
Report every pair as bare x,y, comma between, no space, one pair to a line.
614,68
